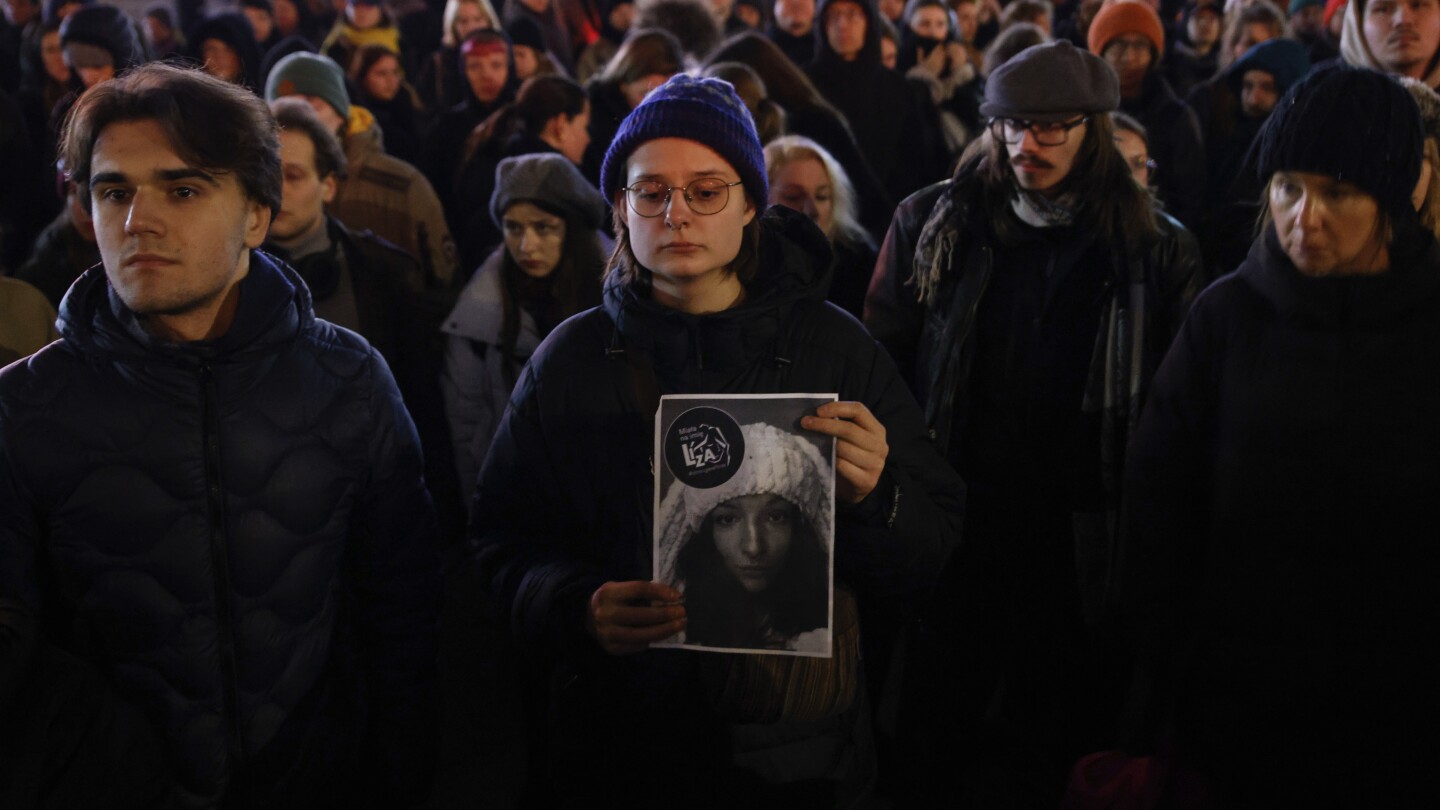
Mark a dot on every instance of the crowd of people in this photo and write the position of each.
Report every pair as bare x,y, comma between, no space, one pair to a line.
332,336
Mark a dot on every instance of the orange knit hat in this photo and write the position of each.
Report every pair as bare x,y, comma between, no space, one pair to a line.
1126,17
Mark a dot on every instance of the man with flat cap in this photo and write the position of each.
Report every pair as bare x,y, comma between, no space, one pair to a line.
1028,299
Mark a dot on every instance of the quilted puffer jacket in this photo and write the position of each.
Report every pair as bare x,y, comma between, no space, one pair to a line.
238,535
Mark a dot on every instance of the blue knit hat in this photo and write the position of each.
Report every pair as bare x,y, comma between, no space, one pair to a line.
706,111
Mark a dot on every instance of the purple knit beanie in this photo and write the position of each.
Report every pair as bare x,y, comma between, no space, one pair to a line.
703,110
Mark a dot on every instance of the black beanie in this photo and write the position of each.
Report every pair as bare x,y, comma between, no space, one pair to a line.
1352,124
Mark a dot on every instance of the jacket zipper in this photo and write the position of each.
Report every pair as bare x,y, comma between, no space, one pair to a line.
220,564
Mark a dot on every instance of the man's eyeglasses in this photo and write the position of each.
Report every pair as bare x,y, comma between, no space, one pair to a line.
1047,133
708,195
1138,163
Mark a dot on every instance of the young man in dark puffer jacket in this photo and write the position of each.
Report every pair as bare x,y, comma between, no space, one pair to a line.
208,495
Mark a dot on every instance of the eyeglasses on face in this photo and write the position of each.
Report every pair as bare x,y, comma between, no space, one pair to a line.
1047,133
707,195
1138,163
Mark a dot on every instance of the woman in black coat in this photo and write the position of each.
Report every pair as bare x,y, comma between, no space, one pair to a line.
1279,575
705,295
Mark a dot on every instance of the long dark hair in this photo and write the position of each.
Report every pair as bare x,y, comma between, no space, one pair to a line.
1114,205
576,282
720,612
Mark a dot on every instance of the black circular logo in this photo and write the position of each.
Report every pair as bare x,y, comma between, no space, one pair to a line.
704,447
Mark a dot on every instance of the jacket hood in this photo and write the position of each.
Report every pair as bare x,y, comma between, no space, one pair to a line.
275,306
869,52
480,311
795,266
1284,59
110,28
234,30
1376,301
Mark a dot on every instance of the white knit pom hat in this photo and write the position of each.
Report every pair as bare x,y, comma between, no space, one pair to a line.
776,462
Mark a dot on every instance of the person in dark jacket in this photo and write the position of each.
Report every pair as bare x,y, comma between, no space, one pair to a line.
705,295
225,45
805,177
489,71
1196,58
1280,561
100,42
1258,79
63,251
441,81
645,60
209,495
792,30
807,113
381,88
551,114
886,113
1027,301
1128,34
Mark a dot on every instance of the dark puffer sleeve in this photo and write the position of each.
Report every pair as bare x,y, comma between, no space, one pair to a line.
538,584
19,593
396,568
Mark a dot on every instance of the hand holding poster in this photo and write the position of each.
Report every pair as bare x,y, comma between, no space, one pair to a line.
745,522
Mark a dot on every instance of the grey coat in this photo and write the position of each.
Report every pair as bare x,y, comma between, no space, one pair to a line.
474,382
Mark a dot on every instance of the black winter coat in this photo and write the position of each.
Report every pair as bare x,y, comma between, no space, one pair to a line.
896,132
1176,146
237,535
1280,571
563,505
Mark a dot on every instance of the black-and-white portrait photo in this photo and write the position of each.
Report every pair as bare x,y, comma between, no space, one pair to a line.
745,522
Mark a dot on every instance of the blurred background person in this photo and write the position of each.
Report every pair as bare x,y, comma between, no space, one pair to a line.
381,88
645,60
441,83
224,45
548,269
1129,36
805,177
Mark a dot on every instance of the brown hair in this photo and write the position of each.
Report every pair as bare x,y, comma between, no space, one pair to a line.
211,124
644,52
294,113
1256,11
785,83
1113,204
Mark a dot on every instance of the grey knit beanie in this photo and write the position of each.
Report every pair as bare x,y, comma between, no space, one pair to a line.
776,462
1049,83
1352,124
309,74
551,181
703,110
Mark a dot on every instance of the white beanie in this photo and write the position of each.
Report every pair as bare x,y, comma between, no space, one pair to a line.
776,462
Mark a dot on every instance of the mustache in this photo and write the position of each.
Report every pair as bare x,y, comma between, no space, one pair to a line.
1032,161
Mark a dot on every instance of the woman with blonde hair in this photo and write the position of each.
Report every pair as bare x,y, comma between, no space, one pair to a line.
807,178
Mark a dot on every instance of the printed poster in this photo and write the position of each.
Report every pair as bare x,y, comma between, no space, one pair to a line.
745,522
